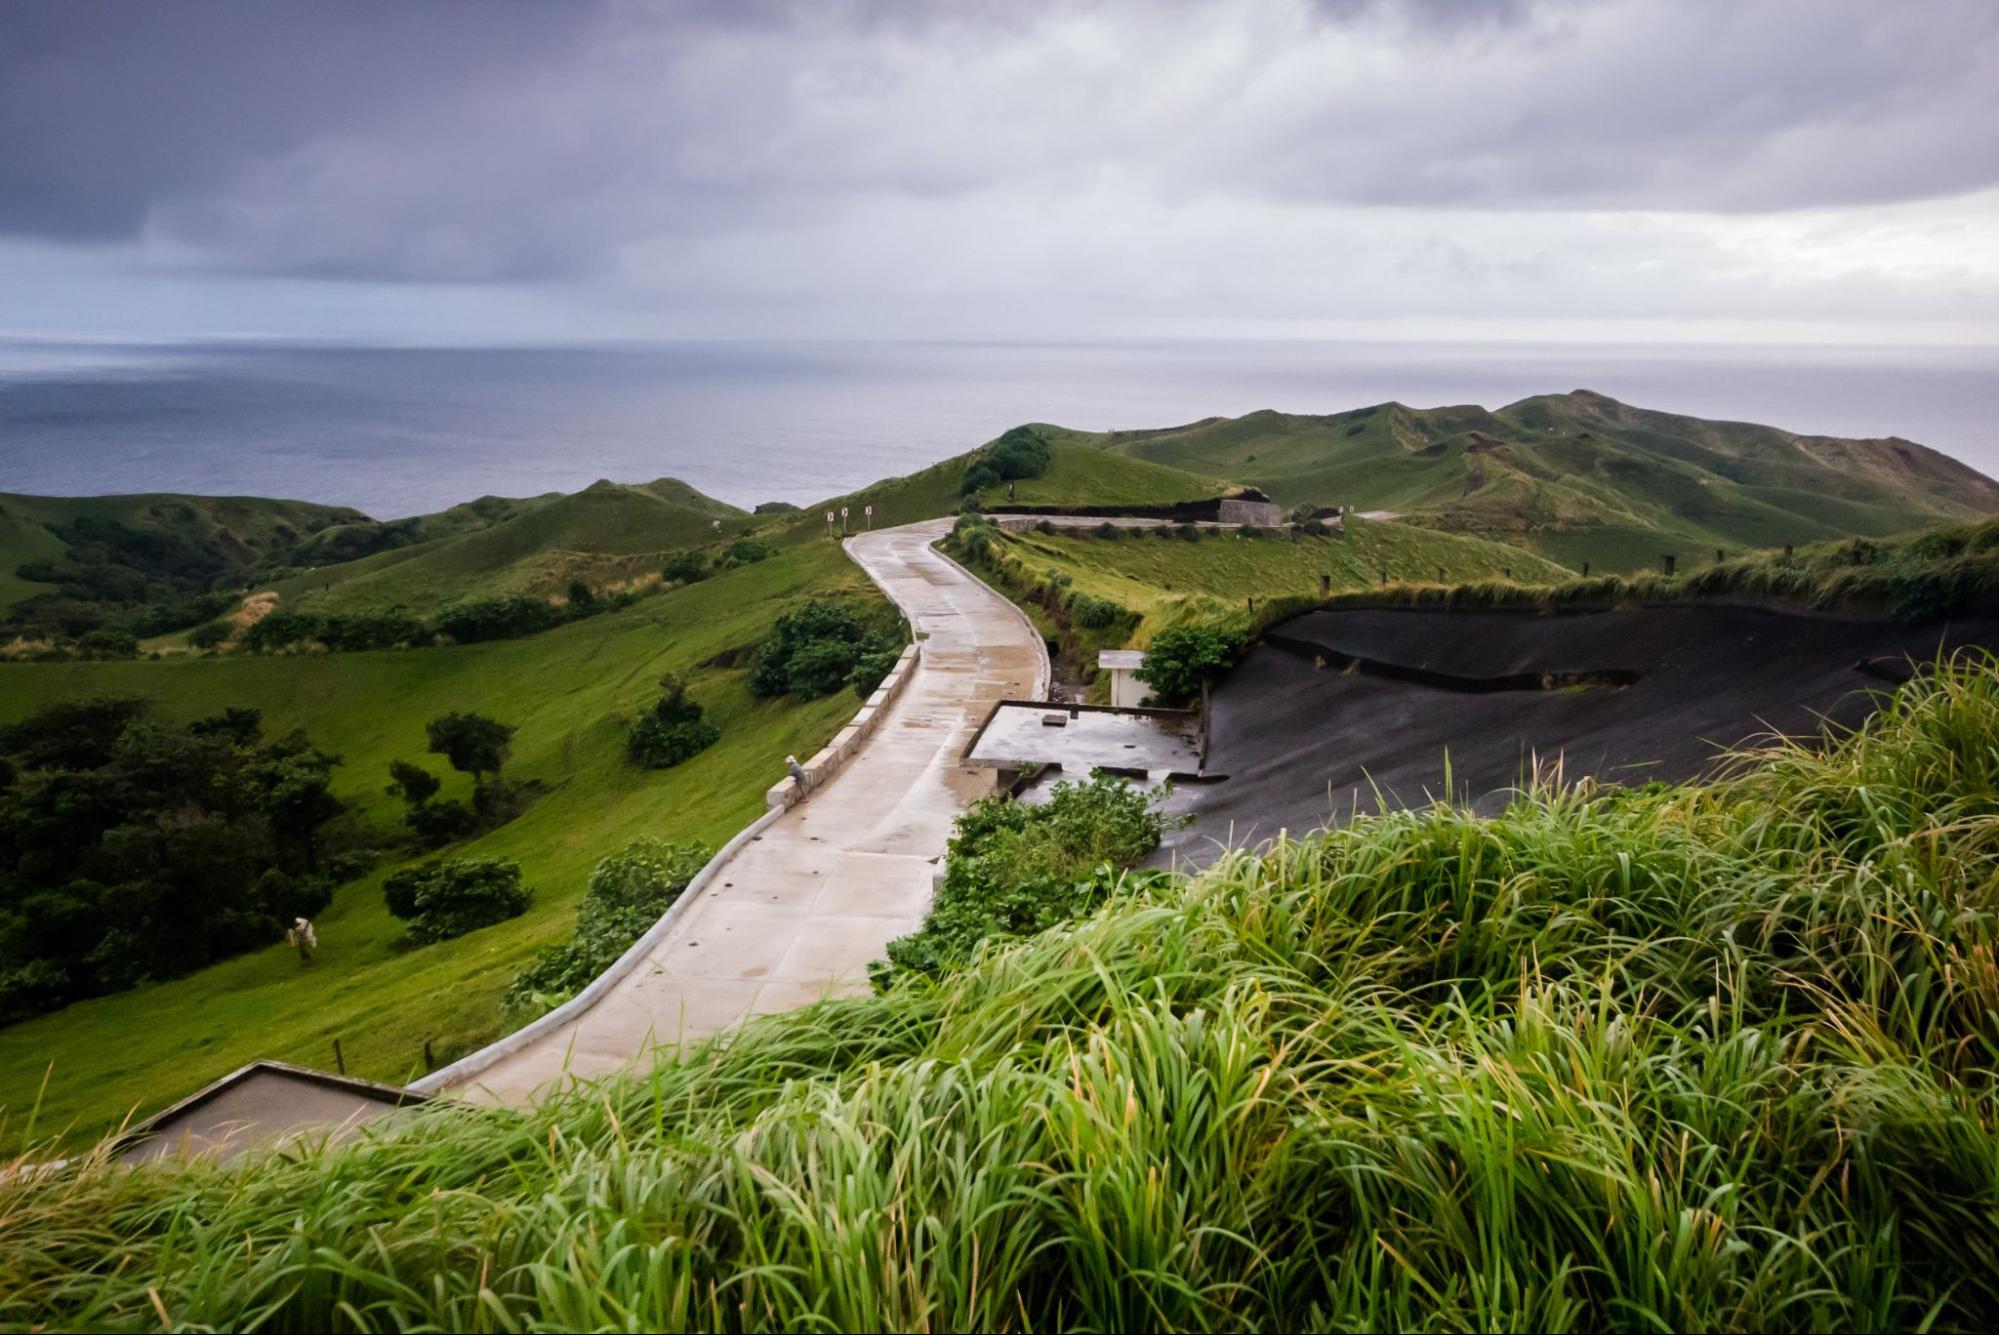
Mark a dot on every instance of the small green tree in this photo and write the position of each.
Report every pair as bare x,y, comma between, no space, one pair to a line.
473,743
671,731
1181,658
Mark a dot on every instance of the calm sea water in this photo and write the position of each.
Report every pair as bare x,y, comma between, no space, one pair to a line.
401,431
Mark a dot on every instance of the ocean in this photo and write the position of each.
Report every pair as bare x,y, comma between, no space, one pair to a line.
398,431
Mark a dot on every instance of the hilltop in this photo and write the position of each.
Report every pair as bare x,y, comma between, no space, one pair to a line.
1579,476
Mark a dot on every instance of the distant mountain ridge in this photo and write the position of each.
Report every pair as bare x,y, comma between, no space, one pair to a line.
1580,476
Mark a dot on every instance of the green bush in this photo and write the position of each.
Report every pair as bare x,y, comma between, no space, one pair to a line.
628,892
673,730
684,568
441,900
501,618
818,649
1093,613
1181,658
1013,869
746,551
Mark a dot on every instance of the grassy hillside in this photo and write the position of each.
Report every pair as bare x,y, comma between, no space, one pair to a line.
606,533
1078,474
1156,578
1677,1059
153,535
569,691
1580,477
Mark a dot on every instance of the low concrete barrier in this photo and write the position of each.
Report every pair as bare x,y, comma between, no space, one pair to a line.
792,790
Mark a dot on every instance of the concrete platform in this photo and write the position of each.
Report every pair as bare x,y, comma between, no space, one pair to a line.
1081,738
797,913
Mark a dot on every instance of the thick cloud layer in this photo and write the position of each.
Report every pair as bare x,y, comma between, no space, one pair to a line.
633,168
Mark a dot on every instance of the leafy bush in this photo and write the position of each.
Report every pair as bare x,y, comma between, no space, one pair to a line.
817,649
281,629
440,900
1014,869
1108,531
1020,453
684,568
1181,658
628,892
211,635
671,731
1093,613
501,618
746,551
372,630
436,824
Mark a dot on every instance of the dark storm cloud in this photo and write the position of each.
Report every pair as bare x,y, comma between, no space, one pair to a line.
1153,151
107,109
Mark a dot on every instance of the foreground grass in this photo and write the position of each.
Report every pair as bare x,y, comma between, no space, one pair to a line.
569,691
1708,1058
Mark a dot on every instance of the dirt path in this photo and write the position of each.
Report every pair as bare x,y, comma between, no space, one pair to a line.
797,912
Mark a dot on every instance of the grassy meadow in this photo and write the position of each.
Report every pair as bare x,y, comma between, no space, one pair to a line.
569,691
1711,1058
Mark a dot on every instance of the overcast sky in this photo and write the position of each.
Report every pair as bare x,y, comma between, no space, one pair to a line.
1784,170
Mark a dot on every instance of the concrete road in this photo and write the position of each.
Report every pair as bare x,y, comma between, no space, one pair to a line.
797,914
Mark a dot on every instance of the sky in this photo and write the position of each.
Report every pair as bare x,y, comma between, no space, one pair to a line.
1796,171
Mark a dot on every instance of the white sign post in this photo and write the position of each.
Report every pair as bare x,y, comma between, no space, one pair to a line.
829,523
843,519
869,511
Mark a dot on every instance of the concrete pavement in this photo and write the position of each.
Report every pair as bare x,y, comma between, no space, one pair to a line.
796,913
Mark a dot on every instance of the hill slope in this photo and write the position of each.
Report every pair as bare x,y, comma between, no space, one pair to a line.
1581,477
608,531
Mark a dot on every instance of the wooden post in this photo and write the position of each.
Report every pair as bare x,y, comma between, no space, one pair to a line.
1719,556
1506,572
1585,570
1384,576
1325,586
1787,551
1669,560
339,1059
429,1062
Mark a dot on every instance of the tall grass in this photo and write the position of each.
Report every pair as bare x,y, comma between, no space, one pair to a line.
1717,1057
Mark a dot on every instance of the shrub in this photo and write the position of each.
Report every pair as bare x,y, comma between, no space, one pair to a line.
671,731
684,568
109,643
1092,613
211,635
1014,869
977,478
628,892
436,824
501,618
1181,658
1108,531
747,551
440,900
811,651
1017,454
279,629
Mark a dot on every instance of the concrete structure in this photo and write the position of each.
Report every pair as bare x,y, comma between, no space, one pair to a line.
262,1104
1255,514
1080,738
797,905
1127,691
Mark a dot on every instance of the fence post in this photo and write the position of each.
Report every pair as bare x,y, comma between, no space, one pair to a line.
339,1058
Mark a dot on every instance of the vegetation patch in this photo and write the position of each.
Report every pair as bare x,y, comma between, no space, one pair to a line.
672,731
816,649
131,851
1015,868
628,892
1680,1058
440,900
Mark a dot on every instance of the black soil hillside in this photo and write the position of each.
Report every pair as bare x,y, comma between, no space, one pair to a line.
1342,710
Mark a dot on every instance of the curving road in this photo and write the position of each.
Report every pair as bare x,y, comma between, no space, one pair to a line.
796,914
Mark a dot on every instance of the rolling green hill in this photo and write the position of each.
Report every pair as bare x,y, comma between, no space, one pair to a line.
569,691
607,533
1581,477
99,555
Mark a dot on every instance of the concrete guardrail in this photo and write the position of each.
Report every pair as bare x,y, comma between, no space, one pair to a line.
794,788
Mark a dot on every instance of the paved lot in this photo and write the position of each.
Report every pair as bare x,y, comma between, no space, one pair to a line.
797,914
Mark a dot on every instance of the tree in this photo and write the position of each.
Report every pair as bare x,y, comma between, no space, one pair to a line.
673,730
684,568
1180,659
241,726
298,799
413,783
473,743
